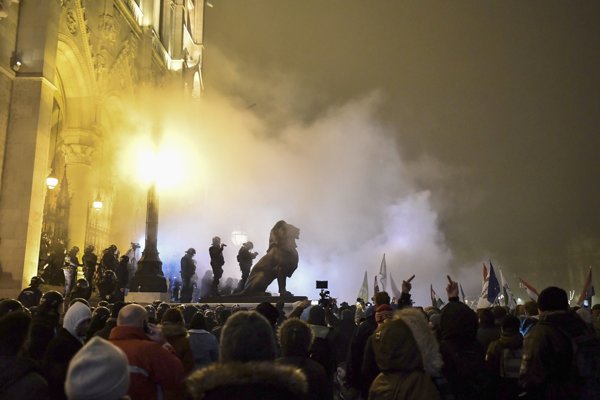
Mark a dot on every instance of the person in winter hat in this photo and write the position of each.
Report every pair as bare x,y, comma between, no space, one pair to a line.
61,349
99,371
246,370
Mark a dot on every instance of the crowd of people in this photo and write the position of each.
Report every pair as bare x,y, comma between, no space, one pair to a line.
56,348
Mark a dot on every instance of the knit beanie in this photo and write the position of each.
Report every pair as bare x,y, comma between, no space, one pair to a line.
99,371
383,312
74,316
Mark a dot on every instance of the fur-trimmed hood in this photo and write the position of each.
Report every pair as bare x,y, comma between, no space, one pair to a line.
170,330
246,380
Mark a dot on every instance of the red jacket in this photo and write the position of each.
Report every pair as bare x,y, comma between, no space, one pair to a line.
153,369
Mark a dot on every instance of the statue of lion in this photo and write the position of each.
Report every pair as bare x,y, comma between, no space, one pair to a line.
279,263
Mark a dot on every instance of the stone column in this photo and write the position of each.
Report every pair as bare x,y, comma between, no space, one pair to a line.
78,148
27,145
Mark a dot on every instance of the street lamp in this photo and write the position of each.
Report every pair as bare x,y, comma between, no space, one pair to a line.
97,204
51,181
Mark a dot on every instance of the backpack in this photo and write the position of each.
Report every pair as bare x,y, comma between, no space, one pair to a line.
510,363
586,361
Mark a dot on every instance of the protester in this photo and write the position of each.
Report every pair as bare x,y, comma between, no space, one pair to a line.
322,349
44,324
19,378
205,345
487,331
408,356
63,347
503,360
99,371
295,339
111,322
152,368
173,329
246,370
99,318
550,368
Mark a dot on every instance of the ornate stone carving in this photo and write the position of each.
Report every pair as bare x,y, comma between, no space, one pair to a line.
108,29
71,20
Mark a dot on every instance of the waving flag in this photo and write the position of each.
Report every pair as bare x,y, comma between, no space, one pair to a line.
383,274
509,298
363,292
435,300
493,286
588,289
531,291
395,292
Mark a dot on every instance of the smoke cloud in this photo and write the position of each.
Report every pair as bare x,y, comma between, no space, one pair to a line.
339,178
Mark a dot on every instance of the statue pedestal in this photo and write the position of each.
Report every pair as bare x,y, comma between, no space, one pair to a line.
147,297
255,299
142,282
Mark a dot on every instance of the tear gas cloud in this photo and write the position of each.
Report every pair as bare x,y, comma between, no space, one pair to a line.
339,178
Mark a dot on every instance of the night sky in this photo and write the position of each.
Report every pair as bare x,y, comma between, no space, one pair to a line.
501,101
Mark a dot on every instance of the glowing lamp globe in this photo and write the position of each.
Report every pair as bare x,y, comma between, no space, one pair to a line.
97,204
51,182
238,238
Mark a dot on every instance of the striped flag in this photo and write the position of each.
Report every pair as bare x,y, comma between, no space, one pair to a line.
588,289
531,291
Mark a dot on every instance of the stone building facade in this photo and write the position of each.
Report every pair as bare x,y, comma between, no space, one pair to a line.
64,64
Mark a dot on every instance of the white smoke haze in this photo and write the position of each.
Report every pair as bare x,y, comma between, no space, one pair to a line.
339,178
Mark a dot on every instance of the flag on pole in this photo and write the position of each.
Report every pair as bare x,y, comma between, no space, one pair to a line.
375,286
395,292
588,289
462,293
509,298
490,288
493,286
531,291
383,274
435,300
363,292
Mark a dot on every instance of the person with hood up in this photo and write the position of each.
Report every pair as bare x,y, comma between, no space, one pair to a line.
464,358
247,370
19,378
295,339
408,357
61,349
503,359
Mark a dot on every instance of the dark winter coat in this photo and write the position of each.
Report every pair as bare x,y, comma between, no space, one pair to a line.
19,379
248,381
245,257
464,357
188,267
43,328
322,349
319,386
216,256
357,349
59,353
547,370
503,387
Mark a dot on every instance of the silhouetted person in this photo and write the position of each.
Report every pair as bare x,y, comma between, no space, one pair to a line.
31,295
89,261
188,269
216,262
245,258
